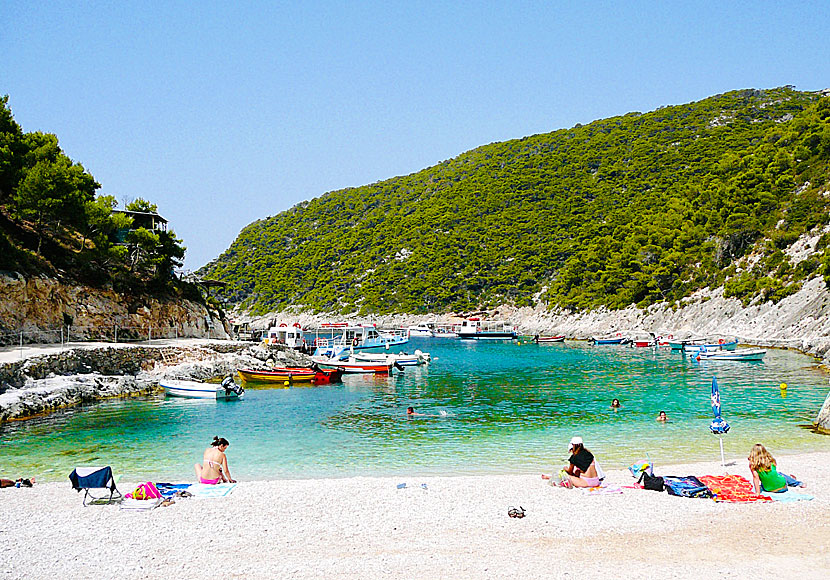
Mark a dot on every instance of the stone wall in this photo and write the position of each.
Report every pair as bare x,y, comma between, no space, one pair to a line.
39,306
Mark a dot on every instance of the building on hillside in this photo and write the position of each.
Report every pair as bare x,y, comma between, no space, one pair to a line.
141,219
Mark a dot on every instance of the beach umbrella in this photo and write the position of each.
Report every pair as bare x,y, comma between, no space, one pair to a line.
718,426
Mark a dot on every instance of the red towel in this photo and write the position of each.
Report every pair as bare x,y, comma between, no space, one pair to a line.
731,488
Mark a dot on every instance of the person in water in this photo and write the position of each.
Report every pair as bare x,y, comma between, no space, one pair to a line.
215,467
581,470
765,474
615,404
19,482
662,417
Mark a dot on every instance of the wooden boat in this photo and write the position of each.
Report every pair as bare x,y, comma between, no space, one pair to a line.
747,354
291,374
547,339
352,366
692,345
197,390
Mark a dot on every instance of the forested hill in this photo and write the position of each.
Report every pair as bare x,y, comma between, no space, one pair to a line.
639,209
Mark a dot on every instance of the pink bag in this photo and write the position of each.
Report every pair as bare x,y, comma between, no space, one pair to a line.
145,491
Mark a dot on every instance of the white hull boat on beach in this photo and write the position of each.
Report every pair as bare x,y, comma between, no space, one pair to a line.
196,390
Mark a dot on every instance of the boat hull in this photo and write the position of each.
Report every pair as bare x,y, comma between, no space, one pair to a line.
291,375
738,355
547,339
488,335
355,367
195,390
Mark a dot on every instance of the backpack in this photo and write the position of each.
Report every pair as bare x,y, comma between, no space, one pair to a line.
652,482
145,491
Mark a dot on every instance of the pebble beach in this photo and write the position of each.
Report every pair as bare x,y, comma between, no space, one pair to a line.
434,527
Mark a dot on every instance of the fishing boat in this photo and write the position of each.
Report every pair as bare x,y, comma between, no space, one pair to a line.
617,339
747,354
693,344
547,339
226,390
421,329
352,366
477,329
291,375
402,358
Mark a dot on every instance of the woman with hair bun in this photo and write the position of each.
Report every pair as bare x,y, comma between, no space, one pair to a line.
215,464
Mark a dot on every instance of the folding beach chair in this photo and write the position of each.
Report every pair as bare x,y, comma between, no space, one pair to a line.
97,483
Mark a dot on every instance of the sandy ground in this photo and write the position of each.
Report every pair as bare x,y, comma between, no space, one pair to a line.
455,528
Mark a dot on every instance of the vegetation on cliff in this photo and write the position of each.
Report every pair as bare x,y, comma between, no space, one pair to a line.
52,223
640,208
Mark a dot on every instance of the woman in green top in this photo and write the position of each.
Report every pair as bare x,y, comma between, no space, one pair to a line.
765,474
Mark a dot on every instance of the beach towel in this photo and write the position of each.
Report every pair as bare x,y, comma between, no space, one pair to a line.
788,496
731,488
170,489
609,489
205,491
686,486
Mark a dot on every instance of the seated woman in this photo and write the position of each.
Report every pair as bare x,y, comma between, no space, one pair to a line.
765,474
215,467
581,470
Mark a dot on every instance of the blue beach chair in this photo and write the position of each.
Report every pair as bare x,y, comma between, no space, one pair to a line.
97,483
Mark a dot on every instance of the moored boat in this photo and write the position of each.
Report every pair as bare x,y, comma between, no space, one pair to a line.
474,328
352,366
617,339
227,389
547,339
291,375
747,354
402,358
693,344
422,329
359,337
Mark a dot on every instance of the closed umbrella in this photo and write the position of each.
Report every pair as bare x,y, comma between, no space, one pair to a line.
718,426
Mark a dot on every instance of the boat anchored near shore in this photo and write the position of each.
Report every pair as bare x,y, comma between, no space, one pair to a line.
226,390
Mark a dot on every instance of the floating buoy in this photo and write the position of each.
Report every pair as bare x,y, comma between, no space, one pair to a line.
286,383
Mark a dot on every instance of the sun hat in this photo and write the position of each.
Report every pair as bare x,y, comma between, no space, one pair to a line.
575,441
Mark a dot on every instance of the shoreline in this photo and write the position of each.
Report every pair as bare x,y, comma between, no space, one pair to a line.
457,527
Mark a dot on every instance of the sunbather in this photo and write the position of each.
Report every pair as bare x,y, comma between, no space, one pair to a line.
581,470
765,474
215,467
19,482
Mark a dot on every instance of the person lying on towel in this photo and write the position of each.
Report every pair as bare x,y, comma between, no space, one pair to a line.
215,467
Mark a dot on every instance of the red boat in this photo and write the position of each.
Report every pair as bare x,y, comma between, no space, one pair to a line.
352,366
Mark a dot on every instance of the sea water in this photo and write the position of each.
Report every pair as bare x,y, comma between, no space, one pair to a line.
488,407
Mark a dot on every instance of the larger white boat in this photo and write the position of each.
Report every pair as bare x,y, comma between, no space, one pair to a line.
485,330
197,390
422,329
360,337
746,354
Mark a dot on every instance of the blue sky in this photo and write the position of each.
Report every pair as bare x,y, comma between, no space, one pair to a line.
224,113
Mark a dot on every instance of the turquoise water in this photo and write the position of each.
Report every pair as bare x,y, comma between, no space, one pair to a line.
509,408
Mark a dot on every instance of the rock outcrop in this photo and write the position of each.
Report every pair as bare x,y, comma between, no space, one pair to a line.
43,310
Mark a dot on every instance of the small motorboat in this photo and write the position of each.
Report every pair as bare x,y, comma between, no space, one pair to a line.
313,375
694,344
402,358
547,339
227,389
747,354
618,339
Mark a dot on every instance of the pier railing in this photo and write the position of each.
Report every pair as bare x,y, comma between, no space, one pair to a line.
68,336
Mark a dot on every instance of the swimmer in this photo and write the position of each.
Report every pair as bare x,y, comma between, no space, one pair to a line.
662,417
615,404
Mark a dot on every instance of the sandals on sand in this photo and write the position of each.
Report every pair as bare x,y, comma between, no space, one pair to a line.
516,513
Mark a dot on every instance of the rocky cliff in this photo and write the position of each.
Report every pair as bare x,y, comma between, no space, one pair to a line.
41,308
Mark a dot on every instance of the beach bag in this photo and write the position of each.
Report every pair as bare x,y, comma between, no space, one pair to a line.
145,491
688,486
652,482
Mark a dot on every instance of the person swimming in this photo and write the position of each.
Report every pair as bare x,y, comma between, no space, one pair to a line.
662,417
615,404
215,467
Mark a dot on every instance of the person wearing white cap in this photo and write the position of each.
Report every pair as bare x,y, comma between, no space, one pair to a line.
581,470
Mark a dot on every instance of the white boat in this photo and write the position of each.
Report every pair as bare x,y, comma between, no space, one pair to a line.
290,336
747,354
477,329
402,358
352,366
422,329
360,337
198,390
444,331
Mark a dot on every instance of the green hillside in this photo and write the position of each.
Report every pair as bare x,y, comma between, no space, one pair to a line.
641,208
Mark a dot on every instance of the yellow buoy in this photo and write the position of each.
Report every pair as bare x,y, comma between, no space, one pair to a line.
286,383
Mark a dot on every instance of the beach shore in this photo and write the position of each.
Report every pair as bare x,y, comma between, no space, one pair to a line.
455,527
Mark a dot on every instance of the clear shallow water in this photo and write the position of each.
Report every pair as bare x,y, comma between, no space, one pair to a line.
510,408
